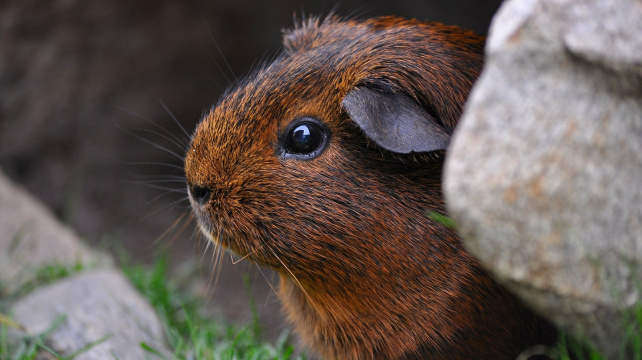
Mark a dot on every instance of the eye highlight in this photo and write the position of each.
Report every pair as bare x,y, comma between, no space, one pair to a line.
305,138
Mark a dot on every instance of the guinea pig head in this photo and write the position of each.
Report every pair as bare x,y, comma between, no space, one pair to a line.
323,165
306,160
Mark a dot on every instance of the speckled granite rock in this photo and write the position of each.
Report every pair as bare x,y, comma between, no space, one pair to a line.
544,175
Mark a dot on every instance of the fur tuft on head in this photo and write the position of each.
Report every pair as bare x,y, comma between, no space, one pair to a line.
306,32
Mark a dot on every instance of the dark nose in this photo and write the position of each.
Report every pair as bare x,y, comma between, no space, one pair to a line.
200,194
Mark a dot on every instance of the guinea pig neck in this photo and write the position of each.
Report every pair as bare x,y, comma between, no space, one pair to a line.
428,298
406,314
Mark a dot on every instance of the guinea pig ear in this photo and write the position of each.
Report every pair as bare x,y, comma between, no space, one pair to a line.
394,121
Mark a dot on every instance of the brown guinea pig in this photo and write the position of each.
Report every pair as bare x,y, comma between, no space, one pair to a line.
323,165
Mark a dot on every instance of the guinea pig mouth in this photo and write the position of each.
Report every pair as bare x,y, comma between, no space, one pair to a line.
214,235
215,220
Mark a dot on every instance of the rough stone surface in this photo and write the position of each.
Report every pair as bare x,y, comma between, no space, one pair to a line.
31,238
96,305
544,176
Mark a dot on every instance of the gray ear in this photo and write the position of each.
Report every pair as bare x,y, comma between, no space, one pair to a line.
394,121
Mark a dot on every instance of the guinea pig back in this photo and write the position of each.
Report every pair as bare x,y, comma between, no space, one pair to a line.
324,164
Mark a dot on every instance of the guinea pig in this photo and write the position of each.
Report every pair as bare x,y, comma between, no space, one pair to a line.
323,165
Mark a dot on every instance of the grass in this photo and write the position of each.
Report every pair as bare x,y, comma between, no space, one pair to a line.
630,349
190,334
19,346
13,346
441,219
29,347
194,336
40,276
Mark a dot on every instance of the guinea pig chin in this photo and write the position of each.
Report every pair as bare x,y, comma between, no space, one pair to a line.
213,216
210,229
204,223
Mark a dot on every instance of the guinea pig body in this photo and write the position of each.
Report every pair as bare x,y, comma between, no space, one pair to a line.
324,164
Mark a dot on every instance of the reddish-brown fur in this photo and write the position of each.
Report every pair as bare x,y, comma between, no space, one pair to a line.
365,274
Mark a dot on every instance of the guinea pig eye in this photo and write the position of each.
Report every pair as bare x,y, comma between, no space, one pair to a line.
305,138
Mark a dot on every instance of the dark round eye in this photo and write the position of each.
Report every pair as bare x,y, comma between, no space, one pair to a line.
305,139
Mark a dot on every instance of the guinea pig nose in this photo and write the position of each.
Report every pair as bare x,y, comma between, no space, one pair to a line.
200,193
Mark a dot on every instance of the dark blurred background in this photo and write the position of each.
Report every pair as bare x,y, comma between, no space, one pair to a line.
82,84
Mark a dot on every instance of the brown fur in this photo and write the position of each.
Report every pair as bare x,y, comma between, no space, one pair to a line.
365,274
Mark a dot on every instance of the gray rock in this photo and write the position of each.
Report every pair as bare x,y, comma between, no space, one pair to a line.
31,238
96,305
544,175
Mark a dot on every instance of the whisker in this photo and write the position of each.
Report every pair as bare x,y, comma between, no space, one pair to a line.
207,245
268,282
296,280
217,265
173,166
160,179
209,32
220,252
173,140
234,262
158,187
171,228
168,135
187,135
251,254
149,142
214,81
267,299
220,69
168,207
158,197
177,204
217,256
197,236
188,217
145,177
167,179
